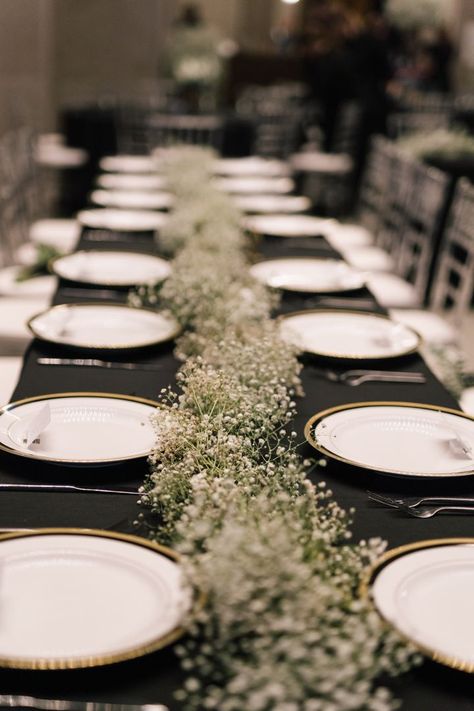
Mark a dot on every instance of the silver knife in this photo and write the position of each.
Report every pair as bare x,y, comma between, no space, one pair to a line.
30,702
96,363
65,489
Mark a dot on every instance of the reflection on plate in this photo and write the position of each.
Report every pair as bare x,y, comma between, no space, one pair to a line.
307,274
272,203
425,590
122,220
132,199
43,286
128,164
251,166
84,429
288,225
396,438
83,598
111,268
107,326
131,181
251,184
348,334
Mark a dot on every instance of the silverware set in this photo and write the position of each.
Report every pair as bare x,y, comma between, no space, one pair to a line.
425,506
31,702
357,377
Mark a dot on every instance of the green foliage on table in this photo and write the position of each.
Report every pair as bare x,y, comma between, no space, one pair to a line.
44,254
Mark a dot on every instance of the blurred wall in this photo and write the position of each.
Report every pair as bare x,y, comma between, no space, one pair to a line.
25,63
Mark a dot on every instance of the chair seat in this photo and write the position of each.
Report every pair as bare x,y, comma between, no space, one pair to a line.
392,291
467,401
319,162
341,235
14,315
60,233
10,368
431,327
370,258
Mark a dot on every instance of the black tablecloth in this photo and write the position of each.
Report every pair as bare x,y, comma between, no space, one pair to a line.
153,678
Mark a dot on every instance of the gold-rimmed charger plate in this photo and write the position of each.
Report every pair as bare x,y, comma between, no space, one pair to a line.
398,438
111,268
86,429
103,326
348,335
311,275
78,598
425,590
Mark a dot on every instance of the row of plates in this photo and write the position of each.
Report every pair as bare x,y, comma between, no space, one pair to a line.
66,598
403,439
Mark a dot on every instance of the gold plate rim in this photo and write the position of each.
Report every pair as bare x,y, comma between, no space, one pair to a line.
44,664
381,403
338,290
365,592
125,285
82,304
355,312
76,462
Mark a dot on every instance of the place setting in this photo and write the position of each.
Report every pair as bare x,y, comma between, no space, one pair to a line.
308,275
132,199
124,220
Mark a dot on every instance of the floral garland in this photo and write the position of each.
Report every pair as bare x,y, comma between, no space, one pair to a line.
283,629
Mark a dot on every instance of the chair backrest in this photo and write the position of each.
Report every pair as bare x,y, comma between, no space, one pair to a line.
374,189
453,285
393,208
422,221
173,129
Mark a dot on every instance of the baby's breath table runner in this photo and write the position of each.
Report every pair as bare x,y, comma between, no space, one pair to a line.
232,487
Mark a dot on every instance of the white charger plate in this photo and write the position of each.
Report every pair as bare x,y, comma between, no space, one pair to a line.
108,326
256,184
122,220
425,590
86,429
131,181
42,286
111,268
128,164
250,166
133,199
288,225
348,334
403,439
307,274
272,203
75,598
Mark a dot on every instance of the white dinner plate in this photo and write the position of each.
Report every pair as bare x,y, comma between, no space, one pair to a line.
75,599
107,326
288,225
257,184
251,166
307,274
85,429
128,164
425,591
122,220
272,203
131,181
111,268
348,334
62,234
133,199
42,286
396,438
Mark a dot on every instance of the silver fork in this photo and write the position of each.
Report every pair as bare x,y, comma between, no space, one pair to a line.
430,511
357,377
30,702
413,501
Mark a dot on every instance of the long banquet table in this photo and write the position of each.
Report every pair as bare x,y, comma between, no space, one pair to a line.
153,679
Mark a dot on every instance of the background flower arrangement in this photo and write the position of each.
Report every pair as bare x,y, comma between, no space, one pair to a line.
283,629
